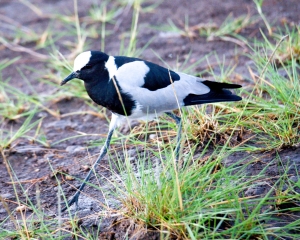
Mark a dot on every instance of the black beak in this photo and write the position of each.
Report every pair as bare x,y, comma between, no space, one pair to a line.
68,78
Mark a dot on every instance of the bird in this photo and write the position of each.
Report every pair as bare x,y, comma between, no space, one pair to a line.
140,90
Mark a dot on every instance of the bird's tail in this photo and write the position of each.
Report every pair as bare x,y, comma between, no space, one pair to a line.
218,93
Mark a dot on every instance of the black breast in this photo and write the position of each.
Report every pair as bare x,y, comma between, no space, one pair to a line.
105,94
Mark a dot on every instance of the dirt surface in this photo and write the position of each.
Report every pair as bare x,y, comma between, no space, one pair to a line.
34,164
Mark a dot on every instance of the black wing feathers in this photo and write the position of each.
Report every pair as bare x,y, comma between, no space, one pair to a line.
120,60
217,94
158,77
219,86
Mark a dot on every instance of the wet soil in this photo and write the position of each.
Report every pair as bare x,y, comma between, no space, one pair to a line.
34,165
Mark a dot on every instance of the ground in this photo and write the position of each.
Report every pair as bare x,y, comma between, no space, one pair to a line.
72,126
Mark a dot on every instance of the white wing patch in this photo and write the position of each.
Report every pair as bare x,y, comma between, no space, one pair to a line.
81,60
132,75
151,103
111,66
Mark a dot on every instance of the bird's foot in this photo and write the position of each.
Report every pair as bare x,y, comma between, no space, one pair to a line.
73,200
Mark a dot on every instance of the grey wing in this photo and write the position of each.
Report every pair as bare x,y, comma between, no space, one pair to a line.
131,78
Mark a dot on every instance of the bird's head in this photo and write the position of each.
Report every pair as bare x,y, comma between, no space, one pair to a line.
88,66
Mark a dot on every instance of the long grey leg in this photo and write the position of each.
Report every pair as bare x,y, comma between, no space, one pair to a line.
103,151
179,125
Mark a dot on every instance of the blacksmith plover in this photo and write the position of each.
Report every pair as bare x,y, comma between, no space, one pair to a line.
137,89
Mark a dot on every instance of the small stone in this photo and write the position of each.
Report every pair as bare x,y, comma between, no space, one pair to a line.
61,125
294,179
153,137
257,189
42,114
74,149
41,161
69,178
169,35
131,159
131,152
284,187
6,195
85,167
31,149
3,210
21,208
